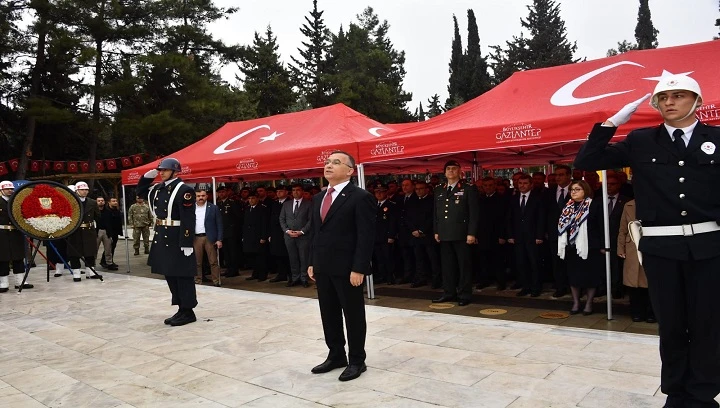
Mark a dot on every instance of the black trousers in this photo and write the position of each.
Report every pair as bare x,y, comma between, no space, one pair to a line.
382,262
337,297
457,272
428,262
490,266
257,261
75,261
282,266
230,255
684,298
639,302
528,267
17,267
408,262
183,292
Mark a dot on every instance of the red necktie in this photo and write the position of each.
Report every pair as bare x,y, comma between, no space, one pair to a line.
326,203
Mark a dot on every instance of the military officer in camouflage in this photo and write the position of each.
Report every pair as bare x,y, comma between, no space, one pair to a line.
457,209
173,203
140,219
12,243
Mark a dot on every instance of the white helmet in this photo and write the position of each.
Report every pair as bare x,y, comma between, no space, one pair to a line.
6,185
81,185
72,187
675,83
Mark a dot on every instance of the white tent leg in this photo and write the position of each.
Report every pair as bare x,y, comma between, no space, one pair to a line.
606,224
125,229
368,278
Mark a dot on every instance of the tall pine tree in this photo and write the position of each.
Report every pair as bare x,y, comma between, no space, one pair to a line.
645,32
266,80
475,68
434,107
545,46
309,72
455,84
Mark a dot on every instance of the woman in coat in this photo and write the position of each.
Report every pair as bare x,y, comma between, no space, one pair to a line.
633,273
581,244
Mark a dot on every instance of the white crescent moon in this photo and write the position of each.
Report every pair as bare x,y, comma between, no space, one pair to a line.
374,131
564,95
223,148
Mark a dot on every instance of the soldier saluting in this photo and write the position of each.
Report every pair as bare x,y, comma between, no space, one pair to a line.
12,243
455,225
173,204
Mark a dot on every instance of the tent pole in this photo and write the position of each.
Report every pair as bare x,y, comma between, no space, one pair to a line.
475,168
214,191
361,184
606,224
125,229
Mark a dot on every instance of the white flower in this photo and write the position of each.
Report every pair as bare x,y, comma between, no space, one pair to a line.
49,224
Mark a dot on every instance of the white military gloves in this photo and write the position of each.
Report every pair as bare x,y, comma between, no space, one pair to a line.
623,116
151,174
187,250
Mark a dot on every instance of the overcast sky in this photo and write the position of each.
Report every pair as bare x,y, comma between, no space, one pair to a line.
424,28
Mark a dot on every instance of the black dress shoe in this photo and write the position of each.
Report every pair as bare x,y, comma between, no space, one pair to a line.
463,302
169,319
574,311
534,293
327,366
112,267
587,312
443,299
651,319
250,278
417,284
637,319
276,280
305,284
352,372
559,293
186,316
262,279
291,284
523,292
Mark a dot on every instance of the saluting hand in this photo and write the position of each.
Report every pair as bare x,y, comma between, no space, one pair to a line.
623,116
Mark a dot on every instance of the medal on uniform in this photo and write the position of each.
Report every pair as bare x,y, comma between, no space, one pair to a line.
457,201
708,147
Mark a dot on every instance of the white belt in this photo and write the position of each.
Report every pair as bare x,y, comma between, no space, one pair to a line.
168,223
686,229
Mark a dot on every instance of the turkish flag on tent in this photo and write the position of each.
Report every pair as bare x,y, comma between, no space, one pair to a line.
126,162
137,159
35,165
84,166
72,167
14,164
3,169
99,165
111,164
59,166
47,165
544,115
281,146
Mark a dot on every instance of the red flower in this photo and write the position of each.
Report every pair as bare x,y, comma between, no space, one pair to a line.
44,201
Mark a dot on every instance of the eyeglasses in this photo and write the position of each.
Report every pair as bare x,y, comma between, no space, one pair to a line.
576,189
336,162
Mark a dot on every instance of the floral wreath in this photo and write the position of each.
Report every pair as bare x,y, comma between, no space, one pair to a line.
45,210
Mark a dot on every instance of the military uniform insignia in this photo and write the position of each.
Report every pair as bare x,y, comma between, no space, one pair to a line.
187,196
708,147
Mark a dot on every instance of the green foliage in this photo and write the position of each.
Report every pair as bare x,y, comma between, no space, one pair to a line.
309,72
622,47
365,72
456,65
476,79
645,32
434,107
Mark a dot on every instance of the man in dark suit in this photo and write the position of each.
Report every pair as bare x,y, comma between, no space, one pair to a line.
173,204
231,251
455,225
676,167
383,261
343,225
295,220
278,250
419,218
526,231
555,201
254,237
404,243
616,202
208,236
491,237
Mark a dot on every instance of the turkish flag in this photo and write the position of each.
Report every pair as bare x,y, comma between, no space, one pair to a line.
72,167
99,165
84,167
137,159
3,169
14,164
126,162
111,164
59,166
35,165
46,165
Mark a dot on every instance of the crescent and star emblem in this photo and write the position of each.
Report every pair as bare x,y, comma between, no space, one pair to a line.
223,148
376,131
564,96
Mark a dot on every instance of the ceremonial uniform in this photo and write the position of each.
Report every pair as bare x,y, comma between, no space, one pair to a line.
255,228
456,217
231,252
385,228
12,247
83,242
173,203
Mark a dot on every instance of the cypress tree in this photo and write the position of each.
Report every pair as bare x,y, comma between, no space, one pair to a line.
645,33
455,84
477,79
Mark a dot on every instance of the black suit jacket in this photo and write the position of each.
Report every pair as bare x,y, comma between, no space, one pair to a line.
419,215
529,225
343,243
386,224
670,188
492,218
553,208
255,227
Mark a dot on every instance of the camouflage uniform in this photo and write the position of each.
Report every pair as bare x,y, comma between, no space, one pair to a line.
140,218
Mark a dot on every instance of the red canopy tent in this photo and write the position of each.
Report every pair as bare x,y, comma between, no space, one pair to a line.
290,145
542,116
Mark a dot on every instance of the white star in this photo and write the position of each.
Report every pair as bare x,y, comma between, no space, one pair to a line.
271,137
666,74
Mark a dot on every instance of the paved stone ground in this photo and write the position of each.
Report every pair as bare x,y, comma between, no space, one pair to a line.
103,344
